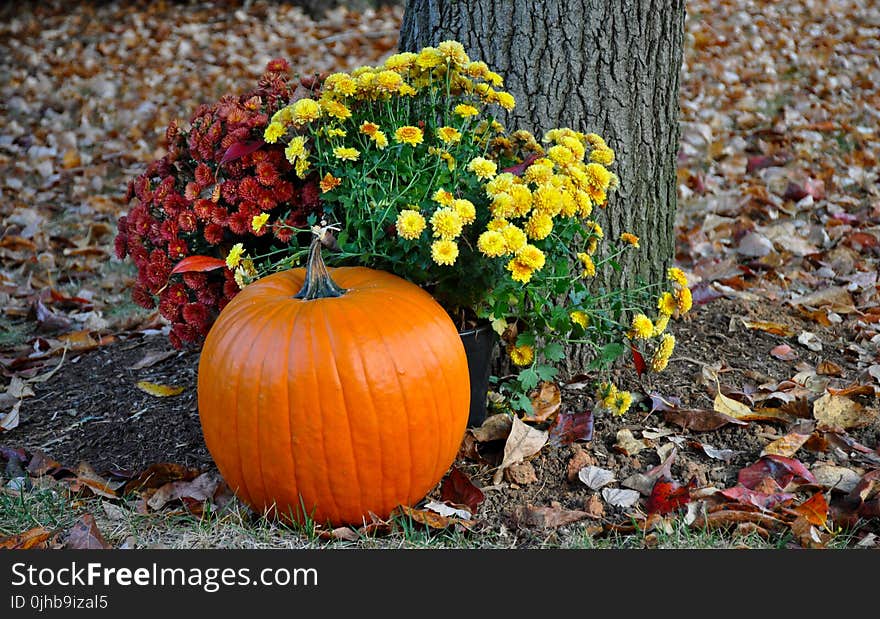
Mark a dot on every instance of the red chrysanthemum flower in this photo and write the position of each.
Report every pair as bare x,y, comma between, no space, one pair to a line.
172,299
187,221
197,315
204,175
142,297
266,173
239,223
177,249
214,234
278,65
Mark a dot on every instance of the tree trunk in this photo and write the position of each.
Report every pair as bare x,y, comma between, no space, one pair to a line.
606,66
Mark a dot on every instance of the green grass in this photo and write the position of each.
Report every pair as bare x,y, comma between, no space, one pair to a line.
237,527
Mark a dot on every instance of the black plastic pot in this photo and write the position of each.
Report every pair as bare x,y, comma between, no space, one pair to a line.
479,344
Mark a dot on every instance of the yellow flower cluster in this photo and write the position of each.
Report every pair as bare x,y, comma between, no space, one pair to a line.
524,209
613,399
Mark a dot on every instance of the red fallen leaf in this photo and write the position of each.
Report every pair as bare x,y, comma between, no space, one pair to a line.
667,496
570,427
862,240
459,490
794,192
520,168
85,535
62,299
763,500
638,360
240,149
814,509
783,352
754,164
781,470
198,264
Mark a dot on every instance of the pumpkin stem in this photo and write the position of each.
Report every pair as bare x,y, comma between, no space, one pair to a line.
318,284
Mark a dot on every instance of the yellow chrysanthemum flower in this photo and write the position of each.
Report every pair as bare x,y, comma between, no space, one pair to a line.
642,327
664,351
335,109
233,258
502,183
660,324
449,135
465,210
666,304
443,197
531,257
302,165
585,205
346,153
519,271
502,206
491,244
454,52
539,226
505,100
574,145
409,135
522,200
482,168
465,111
388,81
521,355
595,229
631,239
622,403
410,224
305,110
446,224
560,155
341,83
400,62
580,318
603,155
258,221
598,178
684,300
429,58
274,131
497,224
674,274
539,172
547,199
444,252
379,140
296,149
514,238
589,265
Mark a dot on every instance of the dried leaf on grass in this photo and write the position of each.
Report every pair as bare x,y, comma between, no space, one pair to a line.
547,517
85,535
458,489
35,538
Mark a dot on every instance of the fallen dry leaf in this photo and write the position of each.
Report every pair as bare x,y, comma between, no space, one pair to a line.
448,510
431,519
85,535
545,400
786,445
628,444
774,328
38,537
494,428
160,391
595,477
619,497
814,509
570,427
458,489
836,412
523,442
548,517
152,358
783,352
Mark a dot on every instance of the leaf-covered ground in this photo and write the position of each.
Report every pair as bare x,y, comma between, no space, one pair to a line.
764,428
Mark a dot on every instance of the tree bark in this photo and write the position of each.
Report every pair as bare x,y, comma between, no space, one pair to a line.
604,66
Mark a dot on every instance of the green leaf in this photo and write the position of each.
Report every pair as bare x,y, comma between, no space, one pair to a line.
554,351
528,379
545,372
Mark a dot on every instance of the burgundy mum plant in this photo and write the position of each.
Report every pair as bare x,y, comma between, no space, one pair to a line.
201,198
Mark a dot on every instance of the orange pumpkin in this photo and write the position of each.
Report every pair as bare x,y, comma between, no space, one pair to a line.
336,404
